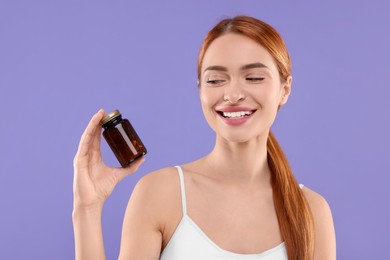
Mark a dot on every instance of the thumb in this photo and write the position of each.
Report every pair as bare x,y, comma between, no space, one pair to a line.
121,173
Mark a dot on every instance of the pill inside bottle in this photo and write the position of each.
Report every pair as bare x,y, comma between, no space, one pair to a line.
122,138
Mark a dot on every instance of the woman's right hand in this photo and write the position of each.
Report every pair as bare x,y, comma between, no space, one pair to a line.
93,180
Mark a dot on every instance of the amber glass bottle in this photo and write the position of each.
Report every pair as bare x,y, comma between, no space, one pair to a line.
122,138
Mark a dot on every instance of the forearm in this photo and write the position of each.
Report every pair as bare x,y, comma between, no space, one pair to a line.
88,234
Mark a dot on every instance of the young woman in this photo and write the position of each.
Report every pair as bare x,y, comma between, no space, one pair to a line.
241,201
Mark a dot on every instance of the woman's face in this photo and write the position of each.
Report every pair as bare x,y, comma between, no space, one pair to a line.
240,88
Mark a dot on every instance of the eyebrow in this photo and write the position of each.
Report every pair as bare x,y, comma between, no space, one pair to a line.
216,67
244,67
253,66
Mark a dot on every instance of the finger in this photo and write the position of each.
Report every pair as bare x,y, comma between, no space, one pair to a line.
97,138
87,137
133,167
95,147
89,133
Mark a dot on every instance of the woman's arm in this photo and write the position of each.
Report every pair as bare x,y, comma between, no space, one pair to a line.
325,238
88,233
153,210
141,231
92,184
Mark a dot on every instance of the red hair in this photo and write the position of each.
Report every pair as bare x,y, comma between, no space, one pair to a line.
292,209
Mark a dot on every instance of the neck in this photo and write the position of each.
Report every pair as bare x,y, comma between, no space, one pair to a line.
244,163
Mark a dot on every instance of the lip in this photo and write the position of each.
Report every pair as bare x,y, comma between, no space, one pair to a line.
234,109
235,121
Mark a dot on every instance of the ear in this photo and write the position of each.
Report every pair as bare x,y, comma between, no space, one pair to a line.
285,92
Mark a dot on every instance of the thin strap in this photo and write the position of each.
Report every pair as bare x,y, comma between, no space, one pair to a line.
183,190
301,186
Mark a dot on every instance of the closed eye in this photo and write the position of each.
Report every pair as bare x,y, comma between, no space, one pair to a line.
215,81
255,79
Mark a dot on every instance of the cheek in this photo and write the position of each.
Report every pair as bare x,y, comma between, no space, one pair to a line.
208,99
269,97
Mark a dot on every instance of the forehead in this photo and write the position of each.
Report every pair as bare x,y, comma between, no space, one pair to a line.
234,50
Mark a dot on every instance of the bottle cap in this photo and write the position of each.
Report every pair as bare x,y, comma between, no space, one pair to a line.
110,116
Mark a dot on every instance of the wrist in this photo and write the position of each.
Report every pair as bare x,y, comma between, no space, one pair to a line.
87,211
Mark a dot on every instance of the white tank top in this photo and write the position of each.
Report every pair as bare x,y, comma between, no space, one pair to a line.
189,242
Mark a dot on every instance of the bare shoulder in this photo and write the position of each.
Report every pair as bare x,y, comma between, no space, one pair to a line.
158,187
158,193
159,178
153,205
317,202
325,241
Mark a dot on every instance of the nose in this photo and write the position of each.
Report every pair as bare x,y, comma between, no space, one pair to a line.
234,94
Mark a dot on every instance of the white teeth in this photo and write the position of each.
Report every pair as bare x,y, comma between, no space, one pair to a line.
236,114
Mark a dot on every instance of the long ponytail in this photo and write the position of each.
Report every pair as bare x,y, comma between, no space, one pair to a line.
293,212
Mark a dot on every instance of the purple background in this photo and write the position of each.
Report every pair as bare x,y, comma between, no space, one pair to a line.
60,61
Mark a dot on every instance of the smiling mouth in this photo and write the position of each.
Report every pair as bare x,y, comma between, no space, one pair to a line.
238,114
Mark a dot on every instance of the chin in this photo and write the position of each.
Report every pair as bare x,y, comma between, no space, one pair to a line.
235,138
243,137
